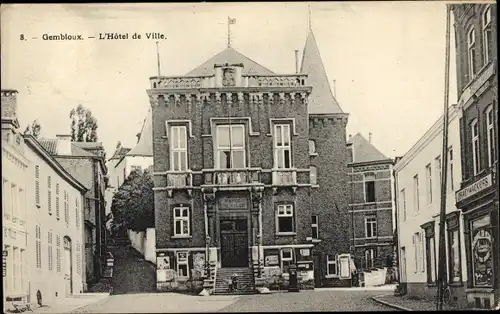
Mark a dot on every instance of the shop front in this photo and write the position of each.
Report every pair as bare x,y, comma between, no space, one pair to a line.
478,201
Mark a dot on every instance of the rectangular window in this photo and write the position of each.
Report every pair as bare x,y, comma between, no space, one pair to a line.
6,205
38,246
58,253
482,258
487,34
471,46
14,200
231,146
370,256
331,266
454,268
418,248
430,256
475,147
314,227
313,175
416,194
137,168
37,185
78,259
49,248
49,195
178,148
312,147
371,226
403,263
22,267
282,146
490,135
285,219
182,264
451,184
286,259
369,188
403,204
181,221
22,205
15,253
428,174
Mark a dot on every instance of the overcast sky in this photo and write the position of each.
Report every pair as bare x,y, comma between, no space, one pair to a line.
387,59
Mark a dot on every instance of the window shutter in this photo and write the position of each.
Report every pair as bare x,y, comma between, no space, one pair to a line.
172,222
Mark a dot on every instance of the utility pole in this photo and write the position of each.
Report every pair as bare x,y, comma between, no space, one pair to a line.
444,167
158,57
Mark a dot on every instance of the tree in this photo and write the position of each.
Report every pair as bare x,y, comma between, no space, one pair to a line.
133,203
83,125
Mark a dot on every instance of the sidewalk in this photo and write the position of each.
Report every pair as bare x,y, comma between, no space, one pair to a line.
384,288
404,303
72,303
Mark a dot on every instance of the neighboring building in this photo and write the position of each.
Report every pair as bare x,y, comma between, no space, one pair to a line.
55,227
250,172
418,202
114,181
15,179
85,161
477,79
371,205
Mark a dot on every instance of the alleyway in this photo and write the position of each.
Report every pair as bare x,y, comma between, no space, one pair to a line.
132,274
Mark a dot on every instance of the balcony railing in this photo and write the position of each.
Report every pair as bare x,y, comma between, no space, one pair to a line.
179,179
232,177
284,177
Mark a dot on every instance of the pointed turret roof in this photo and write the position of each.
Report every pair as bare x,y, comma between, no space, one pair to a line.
144,146
231,56
364,150
321,99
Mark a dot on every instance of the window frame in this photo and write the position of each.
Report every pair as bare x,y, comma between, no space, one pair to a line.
184,262
365,182
49,194
402,196
416,194
219,149
285,214
57,202
288,259
373,255
182,219
49,251
486,27
373,226
428,177
313,175
490,134
329,262
37,186
279,150
177,131
451,184
313,226
476,154
453,227
471,51
430,255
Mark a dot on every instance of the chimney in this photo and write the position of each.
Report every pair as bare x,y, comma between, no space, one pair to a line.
370,137
296,61
9,109
63,144
138,135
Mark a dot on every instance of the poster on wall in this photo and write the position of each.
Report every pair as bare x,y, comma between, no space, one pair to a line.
271,260
162,265
345,266
482,258
198,265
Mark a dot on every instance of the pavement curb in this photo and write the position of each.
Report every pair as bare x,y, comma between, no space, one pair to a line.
75,310
394,306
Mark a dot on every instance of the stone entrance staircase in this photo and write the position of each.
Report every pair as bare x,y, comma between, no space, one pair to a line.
245,281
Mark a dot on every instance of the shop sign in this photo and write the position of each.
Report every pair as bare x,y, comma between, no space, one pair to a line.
271,260
482,258
233,203
474,188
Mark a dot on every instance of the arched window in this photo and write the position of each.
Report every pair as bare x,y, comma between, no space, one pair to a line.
487,34
471,51
490,135
475,146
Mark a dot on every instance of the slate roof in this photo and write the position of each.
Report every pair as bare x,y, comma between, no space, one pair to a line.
89,145
321,100
144,146
364,151
231,56
50,145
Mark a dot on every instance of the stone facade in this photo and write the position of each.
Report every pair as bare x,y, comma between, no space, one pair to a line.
477,79
251,210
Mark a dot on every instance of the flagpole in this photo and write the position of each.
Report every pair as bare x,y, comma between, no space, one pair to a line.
158,57
444,167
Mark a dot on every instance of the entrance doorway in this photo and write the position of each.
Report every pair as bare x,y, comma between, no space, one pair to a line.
317,270
68,268
234,242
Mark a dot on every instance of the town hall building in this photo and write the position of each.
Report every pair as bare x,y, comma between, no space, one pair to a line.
251,177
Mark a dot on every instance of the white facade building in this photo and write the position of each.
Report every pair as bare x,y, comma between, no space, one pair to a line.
14,219
418,201
55,227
